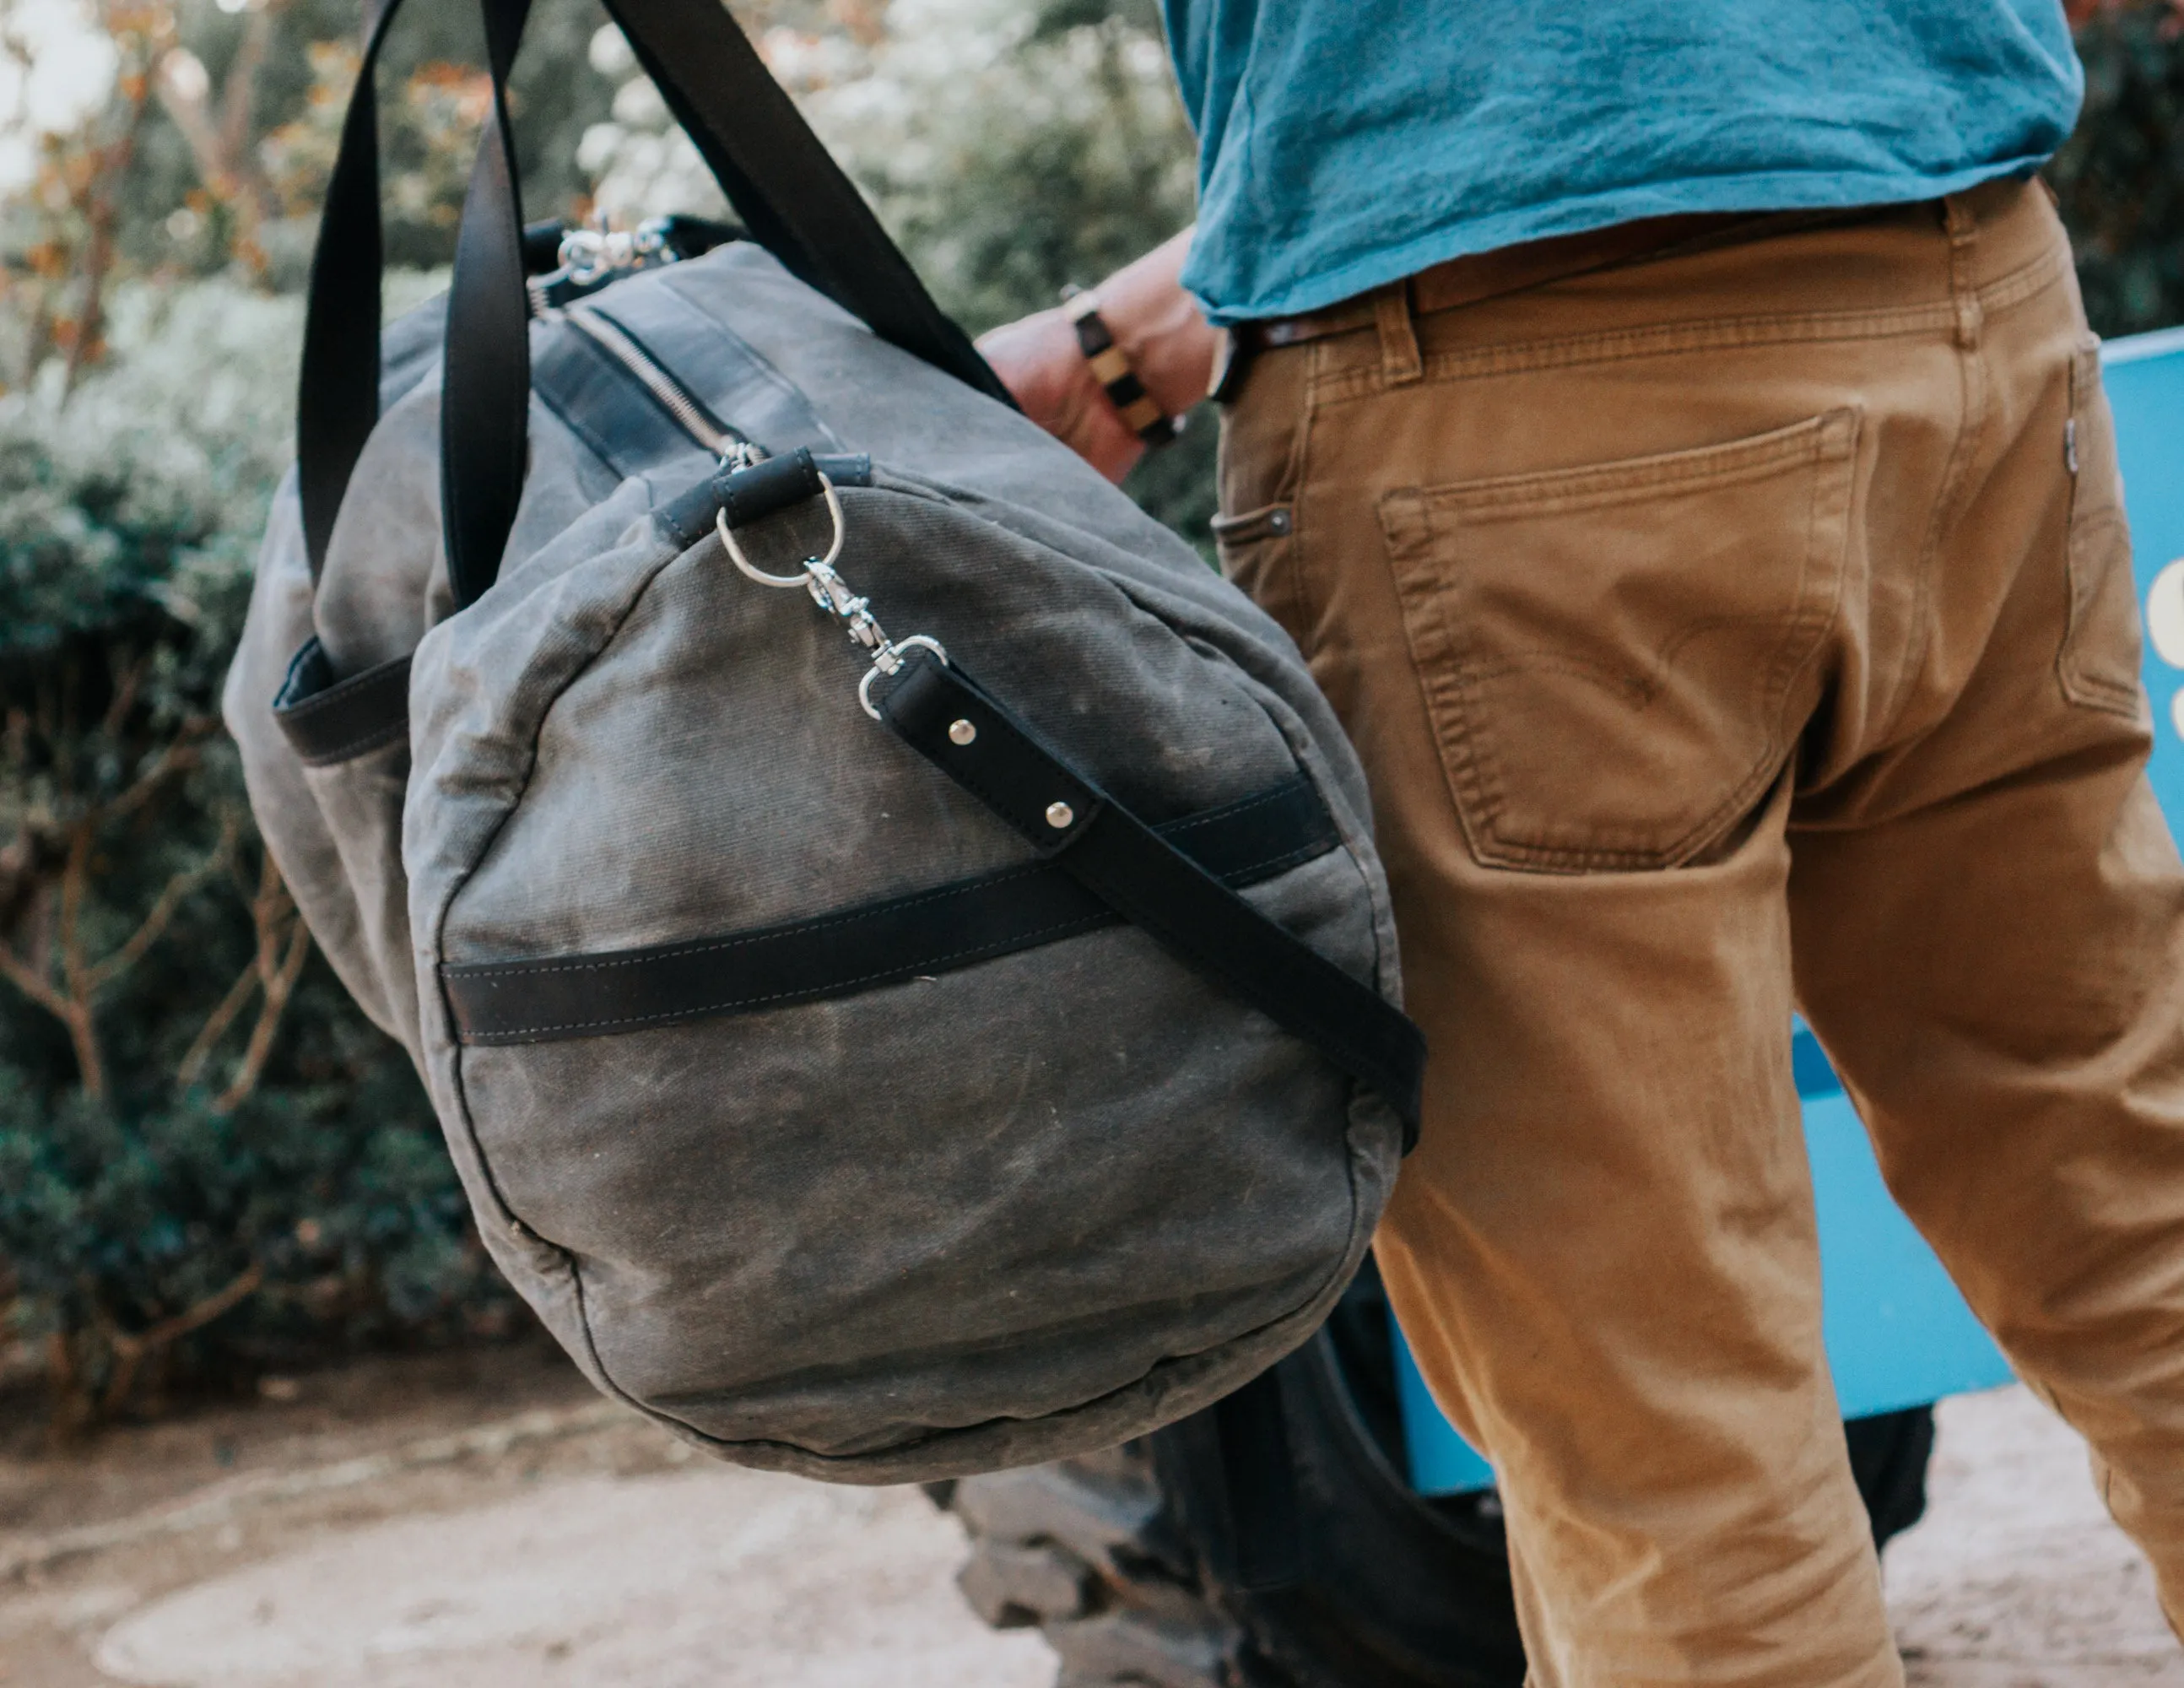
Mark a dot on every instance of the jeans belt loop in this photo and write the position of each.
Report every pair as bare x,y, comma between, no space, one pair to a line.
1400,361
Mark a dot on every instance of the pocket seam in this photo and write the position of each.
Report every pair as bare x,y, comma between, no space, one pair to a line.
2087,525
1408,519
1821,439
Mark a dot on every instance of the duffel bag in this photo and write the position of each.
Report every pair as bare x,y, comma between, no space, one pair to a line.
893,941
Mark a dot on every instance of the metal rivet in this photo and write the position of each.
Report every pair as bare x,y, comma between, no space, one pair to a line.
1059,815
962,733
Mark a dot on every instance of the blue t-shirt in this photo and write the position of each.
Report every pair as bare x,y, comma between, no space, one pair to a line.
1347,144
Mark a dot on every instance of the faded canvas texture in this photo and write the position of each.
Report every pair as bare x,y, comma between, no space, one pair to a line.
1016,1211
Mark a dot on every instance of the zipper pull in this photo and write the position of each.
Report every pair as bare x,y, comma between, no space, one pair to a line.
2070,447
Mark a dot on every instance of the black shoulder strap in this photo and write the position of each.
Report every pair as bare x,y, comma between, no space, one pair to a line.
485,368
782,181
936,709
339,395
785,184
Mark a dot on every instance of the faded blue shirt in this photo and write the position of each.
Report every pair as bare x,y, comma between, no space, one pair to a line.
1345,143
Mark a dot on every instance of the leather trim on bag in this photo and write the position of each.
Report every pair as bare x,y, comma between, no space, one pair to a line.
688,517
1141,875
857,948
328,721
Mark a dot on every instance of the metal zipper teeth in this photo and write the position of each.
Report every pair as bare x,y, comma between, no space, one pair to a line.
657,381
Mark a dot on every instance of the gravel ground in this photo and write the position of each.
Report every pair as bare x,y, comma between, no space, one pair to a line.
2017,1579
481,1523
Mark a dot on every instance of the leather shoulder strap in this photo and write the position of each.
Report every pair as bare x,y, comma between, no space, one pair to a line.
936,709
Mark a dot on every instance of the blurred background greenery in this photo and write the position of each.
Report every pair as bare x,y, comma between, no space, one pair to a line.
210,1167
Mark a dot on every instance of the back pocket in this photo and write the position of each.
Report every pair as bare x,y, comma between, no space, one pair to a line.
1611,655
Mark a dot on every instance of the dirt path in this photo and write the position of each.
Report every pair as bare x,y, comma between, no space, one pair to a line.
485,1522
2017,1579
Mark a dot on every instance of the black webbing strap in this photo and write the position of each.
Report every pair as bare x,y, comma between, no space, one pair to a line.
1259,1486
485,371
941,713
920,934
338,398
785,185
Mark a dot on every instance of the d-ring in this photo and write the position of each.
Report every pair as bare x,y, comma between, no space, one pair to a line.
736,552
889,661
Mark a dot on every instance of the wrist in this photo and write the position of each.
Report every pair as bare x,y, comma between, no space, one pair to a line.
1158,327
1168,342
1114,371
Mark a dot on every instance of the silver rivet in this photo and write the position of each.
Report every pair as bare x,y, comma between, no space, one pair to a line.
962,733
1059,815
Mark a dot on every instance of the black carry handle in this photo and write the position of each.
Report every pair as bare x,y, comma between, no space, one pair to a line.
938,711
786,186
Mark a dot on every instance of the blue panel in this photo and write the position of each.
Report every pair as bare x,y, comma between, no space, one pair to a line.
1898,1333
1441,1462
2145,381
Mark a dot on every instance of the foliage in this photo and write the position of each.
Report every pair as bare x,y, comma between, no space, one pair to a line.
2120,179
196,1125
210,152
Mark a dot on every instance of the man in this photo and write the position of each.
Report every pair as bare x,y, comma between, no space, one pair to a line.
1672,433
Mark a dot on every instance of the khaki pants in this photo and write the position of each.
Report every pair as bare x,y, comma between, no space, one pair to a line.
1735,631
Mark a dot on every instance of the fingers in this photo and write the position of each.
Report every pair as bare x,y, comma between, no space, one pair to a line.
1039,362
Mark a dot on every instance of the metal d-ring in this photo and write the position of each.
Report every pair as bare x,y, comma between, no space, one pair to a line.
736,552
888,660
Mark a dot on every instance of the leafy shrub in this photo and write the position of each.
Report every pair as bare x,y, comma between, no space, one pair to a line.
207,1157
2120,179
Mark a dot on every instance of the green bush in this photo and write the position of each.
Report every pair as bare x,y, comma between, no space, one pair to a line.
2120,179
207,1157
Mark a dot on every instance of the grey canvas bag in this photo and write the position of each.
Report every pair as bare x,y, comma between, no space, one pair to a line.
960,1044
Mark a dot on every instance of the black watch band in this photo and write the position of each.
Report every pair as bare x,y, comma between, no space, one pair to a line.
1111,368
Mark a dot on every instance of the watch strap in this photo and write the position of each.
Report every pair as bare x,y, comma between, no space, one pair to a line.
1111,368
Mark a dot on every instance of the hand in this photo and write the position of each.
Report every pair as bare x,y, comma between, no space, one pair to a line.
1161,331
1039,360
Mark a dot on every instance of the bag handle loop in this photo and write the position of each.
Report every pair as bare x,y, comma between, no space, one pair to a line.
790,193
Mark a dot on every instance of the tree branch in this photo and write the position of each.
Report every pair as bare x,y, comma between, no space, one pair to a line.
163,913
125,696
215,1026
176,758
278,977
24,977
75,976
129,1351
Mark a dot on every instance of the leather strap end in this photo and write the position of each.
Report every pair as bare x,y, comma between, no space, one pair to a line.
767,488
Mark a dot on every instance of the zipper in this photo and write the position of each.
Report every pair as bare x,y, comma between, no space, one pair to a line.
678,400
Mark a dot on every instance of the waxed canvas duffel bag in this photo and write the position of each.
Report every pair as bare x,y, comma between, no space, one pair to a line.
894,942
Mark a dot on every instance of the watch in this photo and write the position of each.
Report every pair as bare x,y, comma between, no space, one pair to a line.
1111,368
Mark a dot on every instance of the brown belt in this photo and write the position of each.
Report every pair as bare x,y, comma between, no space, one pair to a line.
1509,270
1489,275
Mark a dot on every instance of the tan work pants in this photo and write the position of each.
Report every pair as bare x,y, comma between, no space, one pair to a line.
1739,630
